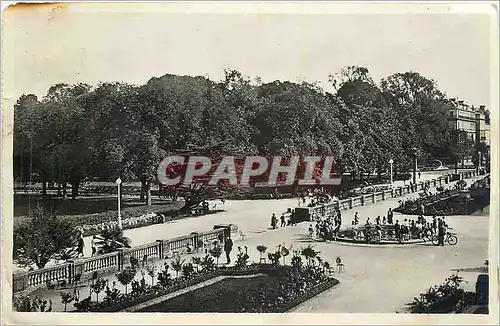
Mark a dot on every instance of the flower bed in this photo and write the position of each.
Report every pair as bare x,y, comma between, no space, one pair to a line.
276,292
301,283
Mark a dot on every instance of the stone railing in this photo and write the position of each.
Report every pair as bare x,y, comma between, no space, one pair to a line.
82,269
305,213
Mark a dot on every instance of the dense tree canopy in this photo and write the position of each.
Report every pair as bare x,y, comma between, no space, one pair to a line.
115,129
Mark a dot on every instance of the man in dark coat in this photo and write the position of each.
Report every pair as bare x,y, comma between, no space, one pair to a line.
228,246
390,215
441,232
397,230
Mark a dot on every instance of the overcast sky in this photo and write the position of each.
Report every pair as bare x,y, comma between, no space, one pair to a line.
44,46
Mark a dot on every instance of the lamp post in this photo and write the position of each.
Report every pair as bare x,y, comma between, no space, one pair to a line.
118,182
414,151
391,162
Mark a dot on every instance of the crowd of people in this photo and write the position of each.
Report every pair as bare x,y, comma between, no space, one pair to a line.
427,197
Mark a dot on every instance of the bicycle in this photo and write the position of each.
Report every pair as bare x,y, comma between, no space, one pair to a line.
450,238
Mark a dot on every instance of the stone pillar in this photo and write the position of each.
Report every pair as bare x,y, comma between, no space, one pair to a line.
121,262
161,254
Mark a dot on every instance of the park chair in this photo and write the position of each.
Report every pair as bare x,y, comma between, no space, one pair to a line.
77,279
328,268
243,236
340,265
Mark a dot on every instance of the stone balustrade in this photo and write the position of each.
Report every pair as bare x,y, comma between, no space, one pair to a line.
305,213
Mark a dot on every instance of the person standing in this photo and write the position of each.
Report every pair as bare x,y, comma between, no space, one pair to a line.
273,221
356,219
441,232
397,230
282,218
377,220
228,246
422,209
390,215
434,225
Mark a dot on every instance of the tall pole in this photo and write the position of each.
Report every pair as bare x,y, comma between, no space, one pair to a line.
118,182
391,162
414,150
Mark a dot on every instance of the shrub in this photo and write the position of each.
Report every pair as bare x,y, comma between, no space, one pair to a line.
139,287
448,297
197,261
43,237
112,295
208,265
216,252
164,277
188,270
242,258
37,304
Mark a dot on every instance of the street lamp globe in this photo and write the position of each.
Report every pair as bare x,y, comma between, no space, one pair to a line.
391,161
118,181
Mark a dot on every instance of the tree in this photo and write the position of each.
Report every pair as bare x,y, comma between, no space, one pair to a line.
151,269
98,286
43,237
309,253
459,146
216,252
177,266
126,276
67,297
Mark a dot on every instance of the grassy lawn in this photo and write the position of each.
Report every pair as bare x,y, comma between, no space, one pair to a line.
228,295
82,205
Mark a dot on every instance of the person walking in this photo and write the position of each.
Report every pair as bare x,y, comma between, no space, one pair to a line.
93,244
81,244
282,218
377,220
228,246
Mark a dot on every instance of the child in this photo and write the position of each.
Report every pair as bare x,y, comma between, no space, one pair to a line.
311,231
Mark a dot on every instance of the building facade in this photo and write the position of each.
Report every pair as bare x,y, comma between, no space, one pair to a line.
474,121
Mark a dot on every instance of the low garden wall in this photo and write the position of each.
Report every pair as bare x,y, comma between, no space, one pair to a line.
82,269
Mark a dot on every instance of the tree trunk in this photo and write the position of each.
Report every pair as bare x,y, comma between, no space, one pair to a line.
379,173
148,193
456,167
64,190
143,190
175,196
74,189
44,188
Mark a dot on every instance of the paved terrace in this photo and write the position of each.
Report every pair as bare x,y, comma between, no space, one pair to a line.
377,278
